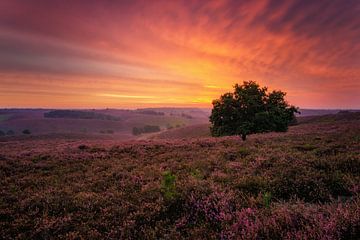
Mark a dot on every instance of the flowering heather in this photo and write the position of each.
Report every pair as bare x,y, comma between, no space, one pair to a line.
303,184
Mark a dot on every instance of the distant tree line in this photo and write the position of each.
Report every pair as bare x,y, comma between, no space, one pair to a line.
188,116
8,133
145,129
11,132
109,131
75,114
150,112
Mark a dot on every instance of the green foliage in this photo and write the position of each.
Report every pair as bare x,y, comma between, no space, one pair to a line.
250,109
168,186
267,199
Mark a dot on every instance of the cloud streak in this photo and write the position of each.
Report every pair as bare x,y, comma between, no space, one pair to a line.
180,52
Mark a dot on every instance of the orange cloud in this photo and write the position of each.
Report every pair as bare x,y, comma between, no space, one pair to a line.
176,53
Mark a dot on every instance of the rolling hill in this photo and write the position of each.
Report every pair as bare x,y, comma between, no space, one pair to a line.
300,184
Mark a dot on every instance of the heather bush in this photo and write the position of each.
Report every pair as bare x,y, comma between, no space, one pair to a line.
299,182
242,152
252,185
91,189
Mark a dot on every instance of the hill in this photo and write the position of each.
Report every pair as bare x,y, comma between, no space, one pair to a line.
203,130
111,123
193,131
303,184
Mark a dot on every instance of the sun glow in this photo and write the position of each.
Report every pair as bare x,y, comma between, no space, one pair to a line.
167,53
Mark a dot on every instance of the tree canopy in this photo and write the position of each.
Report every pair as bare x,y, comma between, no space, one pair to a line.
251,109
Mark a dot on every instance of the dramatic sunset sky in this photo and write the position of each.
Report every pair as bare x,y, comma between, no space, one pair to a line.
150,53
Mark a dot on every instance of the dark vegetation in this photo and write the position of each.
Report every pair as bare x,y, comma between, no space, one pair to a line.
188,116
150,112
8,133
251,109
145,129
302,184
26,131
75,114
108,131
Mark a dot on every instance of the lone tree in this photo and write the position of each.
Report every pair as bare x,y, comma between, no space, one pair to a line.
251,109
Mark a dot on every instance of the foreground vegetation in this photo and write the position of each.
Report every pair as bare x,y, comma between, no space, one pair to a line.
303,184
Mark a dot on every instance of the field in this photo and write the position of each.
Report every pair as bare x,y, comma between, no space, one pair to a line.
303,184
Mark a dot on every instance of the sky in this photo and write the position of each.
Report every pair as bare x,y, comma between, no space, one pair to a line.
155,53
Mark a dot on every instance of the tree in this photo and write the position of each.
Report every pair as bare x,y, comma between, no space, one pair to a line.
251,109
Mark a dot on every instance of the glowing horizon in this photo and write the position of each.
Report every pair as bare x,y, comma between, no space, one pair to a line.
133,54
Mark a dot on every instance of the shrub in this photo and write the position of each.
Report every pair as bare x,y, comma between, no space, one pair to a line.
168,187
252,185
145,129
83,147
301,183
136,131
26,131
10,132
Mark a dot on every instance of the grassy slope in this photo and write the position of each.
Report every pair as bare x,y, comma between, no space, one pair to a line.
273,186
193,131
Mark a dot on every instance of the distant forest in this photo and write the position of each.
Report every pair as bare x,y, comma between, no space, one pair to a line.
145,129
75,114
149,112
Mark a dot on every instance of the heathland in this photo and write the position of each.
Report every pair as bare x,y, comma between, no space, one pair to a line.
181,183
